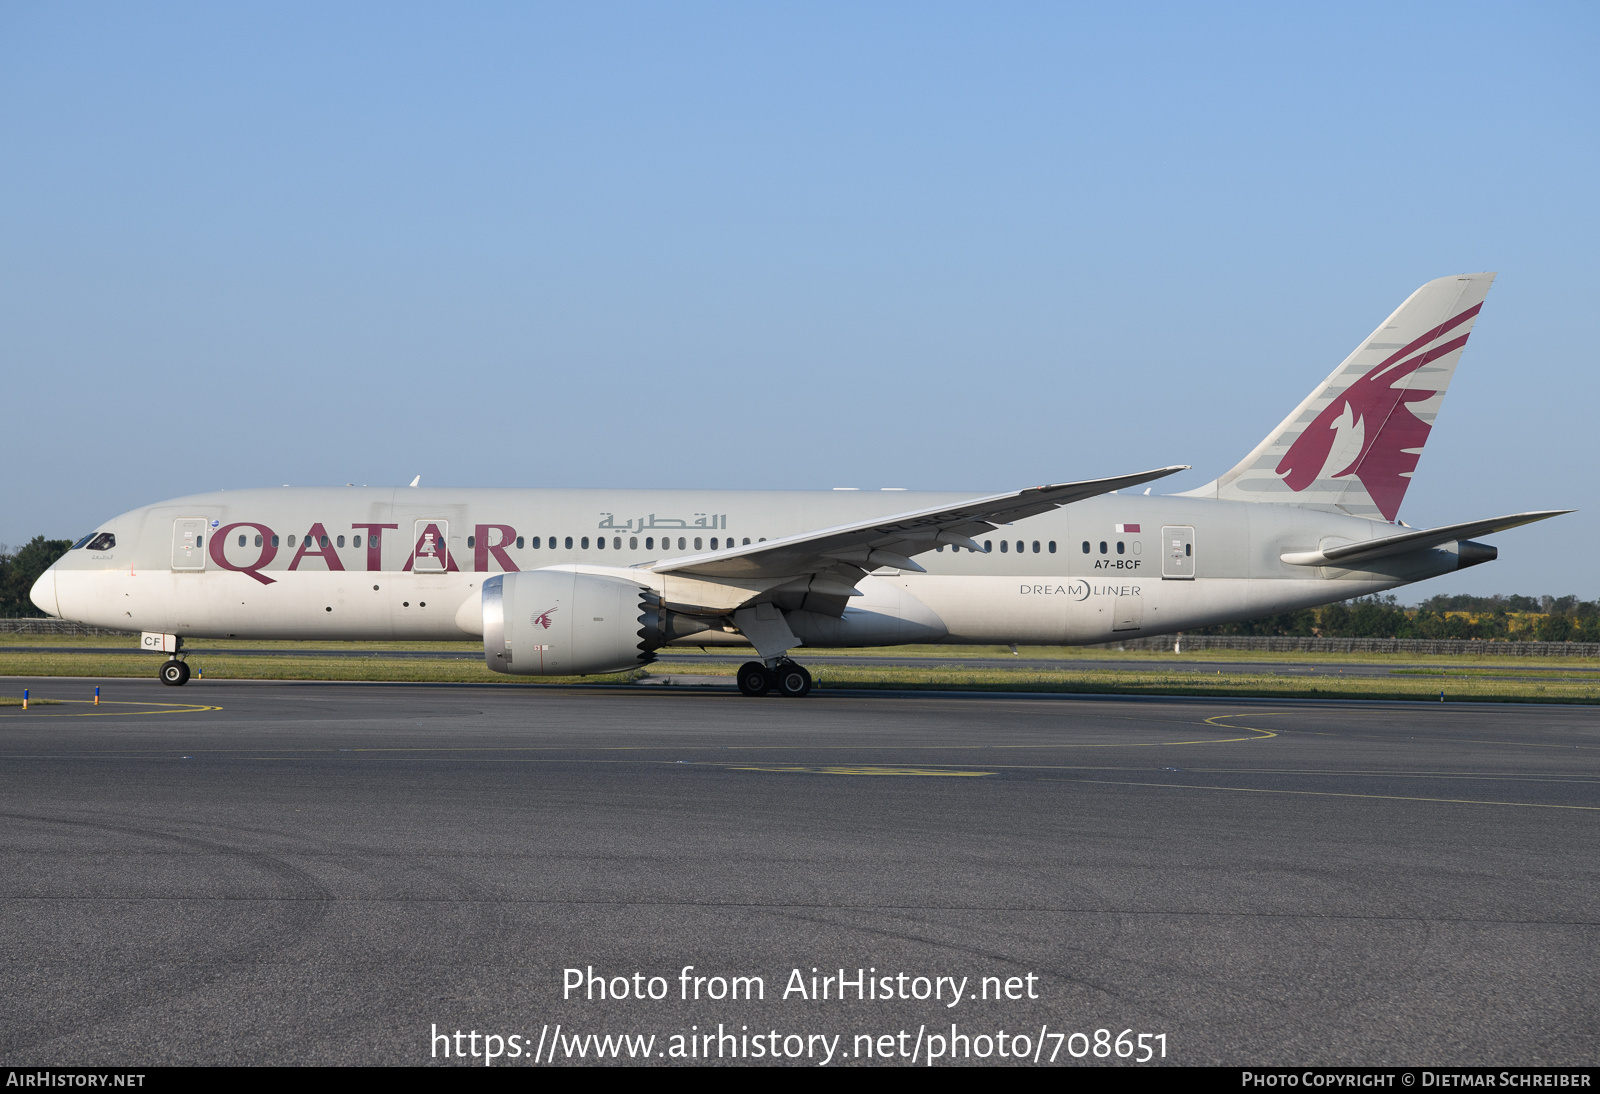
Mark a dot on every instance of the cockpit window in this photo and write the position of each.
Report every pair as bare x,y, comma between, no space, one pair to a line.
83,542
103,542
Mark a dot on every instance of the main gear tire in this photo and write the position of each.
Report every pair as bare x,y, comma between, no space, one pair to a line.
754,679
793,681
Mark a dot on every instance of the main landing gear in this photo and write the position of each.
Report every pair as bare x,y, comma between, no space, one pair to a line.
786,678
174,673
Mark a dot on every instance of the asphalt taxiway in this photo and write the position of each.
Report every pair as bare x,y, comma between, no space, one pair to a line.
262,872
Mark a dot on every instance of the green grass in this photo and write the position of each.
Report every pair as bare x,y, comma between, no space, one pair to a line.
1154,681
1261,684
1138,672
1167,657
233,667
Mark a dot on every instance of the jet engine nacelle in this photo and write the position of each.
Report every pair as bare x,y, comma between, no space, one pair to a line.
558,622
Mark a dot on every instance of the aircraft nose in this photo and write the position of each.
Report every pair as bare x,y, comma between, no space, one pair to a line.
43,593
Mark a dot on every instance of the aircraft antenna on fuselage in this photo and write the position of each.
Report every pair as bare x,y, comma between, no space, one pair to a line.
417,481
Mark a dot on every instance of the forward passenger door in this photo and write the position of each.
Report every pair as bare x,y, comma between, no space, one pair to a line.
188,544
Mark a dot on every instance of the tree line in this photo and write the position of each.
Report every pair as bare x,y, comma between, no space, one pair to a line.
1486,618
20,568
1491,618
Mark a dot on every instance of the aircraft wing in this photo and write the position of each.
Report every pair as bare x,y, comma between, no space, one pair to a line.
848,551
1347,554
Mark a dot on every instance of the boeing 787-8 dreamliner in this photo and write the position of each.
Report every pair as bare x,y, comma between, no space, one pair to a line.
578,582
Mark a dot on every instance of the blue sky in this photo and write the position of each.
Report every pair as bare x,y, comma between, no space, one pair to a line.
965,247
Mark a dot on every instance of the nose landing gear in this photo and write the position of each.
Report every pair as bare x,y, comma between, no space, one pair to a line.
787,678
174,673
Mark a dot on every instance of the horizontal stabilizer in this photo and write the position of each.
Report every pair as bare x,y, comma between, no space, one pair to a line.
1348,554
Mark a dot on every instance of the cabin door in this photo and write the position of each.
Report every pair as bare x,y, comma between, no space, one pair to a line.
189,544
432,546
1177,552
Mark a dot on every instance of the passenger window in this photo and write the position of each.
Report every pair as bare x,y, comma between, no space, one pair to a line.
746,541
697,543
1005,545
241,541
940,548
1052,546
1035,546
682,544
1102,546
713,543
616,543
599,543
274,541
988,546
569,543
1085,546
1019,547
1120,549
585,543
339,542
322,541
520,542
258,541
633,543
472,541
355,541
649,543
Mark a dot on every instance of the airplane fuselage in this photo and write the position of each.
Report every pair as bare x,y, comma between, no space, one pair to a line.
375,564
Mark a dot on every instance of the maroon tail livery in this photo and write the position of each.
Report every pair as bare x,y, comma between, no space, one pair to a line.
1354,442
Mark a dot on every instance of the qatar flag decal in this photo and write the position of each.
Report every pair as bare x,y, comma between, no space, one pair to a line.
1123,528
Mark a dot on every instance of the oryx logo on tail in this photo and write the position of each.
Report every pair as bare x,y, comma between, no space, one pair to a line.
1390,437
1353,443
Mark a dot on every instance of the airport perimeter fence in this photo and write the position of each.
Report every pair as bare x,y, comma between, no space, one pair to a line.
1188,643
59,627
1197,643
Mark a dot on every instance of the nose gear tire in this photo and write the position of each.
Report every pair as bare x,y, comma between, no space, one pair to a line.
174,674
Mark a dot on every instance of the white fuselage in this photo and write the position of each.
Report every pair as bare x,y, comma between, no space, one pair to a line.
253,564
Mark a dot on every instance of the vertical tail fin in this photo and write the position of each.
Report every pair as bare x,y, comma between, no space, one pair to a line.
1354,442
